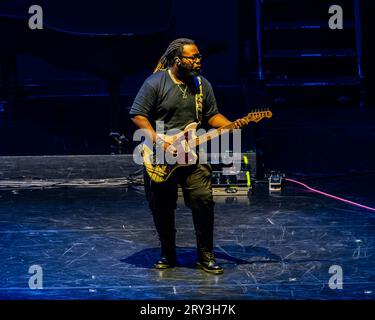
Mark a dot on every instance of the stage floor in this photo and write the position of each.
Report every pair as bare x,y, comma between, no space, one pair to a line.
100,243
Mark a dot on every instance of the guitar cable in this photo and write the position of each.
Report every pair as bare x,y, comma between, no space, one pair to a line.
331,195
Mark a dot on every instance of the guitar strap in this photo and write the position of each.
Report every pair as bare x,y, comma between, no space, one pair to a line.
199,99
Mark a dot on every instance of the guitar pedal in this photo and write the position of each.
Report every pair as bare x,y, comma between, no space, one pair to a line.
275,181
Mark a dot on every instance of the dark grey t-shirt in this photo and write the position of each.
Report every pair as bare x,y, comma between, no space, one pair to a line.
160,99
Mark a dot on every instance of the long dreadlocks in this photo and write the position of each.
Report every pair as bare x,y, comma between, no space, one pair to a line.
174,49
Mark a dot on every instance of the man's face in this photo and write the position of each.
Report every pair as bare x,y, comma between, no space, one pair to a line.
190,61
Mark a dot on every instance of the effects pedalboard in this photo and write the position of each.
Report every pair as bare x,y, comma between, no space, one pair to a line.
235,179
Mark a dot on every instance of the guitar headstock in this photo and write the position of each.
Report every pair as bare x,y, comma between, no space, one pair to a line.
259,114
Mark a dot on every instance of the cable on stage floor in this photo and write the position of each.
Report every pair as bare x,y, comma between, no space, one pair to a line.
331,196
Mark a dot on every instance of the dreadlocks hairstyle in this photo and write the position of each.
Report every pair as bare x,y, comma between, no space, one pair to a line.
174,49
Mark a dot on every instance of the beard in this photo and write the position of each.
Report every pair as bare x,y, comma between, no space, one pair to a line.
187,72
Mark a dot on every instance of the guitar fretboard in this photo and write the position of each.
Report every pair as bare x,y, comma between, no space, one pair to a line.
212,134
251,117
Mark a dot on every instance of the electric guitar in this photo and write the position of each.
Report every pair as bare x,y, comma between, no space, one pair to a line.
160,164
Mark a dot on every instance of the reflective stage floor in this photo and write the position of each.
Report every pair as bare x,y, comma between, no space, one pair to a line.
100,243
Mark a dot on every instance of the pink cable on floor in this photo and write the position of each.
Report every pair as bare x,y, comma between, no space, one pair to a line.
330,195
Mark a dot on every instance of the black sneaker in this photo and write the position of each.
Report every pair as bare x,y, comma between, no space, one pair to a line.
165,263
207,262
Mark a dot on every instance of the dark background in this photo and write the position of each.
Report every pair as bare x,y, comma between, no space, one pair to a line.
59,103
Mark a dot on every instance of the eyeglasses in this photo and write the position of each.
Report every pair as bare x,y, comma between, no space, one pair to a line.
193,58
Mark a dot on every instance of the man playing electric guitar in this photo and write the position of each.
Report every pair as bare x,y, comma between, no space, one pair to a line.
177,95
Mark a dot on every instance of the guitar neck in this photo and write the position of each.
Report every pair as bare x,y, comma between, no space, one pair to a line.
254,116
213,134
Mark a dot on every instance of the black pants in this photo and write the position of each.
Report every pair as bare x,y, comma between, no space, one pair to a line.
195,181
